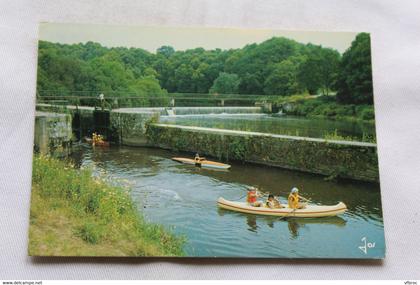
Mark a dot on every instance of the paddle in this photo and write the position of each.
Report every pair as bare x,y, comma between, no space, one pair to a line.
305,199
281,218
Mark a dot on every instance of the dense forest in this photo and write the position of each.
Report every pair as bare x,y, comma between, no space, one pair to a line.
278,66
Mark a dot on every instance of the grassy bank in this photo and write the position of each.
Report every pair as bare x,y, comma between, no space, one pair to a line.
327,107
74,214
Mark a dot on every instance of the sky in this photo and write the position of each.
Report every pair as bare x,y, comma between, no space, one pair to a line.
151,38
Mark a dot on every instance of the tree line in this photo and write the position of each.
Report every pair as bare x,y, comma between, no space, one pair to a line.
278,66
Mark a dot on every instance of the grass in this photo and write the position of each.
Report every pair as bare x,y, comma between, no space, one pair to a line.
75,214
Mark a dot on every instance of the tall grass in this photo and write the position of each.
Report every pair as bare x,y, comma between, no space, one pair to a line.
73,214
335,136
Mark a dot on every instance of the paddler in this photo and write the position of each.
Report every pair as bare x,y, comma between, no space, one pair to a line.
252,197
197,160
294,198
273,203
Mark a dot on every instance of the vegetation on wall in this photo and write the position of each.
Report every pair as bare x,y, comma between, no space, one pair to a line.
322,157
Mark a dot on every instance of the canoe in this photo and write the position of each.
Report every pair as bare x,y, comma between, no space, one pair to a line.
101,143
311,211
203,163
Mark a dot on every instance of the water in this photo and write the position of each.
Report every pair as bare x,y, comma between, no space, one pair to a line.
183,198
289,125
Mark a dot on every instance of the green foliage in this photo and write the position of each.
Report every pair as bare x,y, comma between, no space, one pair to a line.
277,66
85,211
166,51
319,69
367,114
354,84
225,83
148,87
282,80
326,106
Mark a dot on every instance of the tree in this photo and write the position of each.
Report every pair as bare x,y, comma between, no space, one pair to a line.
354,83
149,92
275,66
319,69
226,83
183,75
166,51
250,83
328,68
282,80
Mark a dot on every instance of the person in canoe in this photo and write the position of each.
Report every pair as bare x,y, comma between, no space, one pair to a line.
294,199
252,197
273,203
198,159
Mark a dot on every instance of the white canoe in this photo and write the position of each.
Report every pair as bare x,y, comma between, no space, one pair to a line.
311,211
203,163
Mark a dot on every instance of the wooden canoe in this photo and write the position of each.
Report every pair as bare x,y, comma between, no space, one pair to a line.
203,163
311,211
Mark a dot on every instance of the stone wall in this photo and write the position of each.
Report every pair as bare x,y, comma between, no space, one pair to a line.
53,133
354,160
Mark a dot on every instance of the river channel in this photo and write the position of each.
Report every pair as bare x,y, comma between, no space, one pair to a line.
183,199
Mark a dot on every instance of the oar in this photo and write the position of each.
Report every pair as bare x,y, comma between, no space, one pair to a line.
306,199
287,214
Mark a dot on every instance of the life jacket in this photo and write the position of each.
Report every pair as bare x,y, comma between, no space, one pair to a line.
251,196
293,201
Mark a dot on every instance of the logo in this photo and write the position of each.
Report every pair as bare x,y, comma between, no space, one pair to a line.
366,245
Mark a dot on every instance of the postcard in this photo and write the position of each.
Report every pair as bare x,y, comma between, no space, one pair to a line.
204,142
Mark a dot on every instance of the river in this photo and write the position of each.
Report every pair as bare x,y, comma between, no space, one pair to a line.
287,125
183,198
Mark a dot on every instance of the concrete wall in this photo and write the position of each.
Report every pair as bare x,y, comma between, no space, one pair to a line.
129,128
53,133
345,159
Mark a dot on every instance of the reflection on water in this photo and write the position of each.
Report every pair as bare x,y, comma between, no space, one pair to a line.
293,224
184,198
289,125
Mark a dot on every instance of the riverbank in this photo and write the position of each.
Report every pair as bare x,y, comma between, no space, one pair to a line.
327,107
74,214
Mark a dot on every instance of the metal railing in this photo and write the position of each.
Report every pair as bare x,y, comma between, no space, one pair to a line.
121,99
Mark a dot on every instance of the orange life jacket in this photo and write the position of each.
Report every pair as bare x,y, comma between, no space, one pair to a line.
251,196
